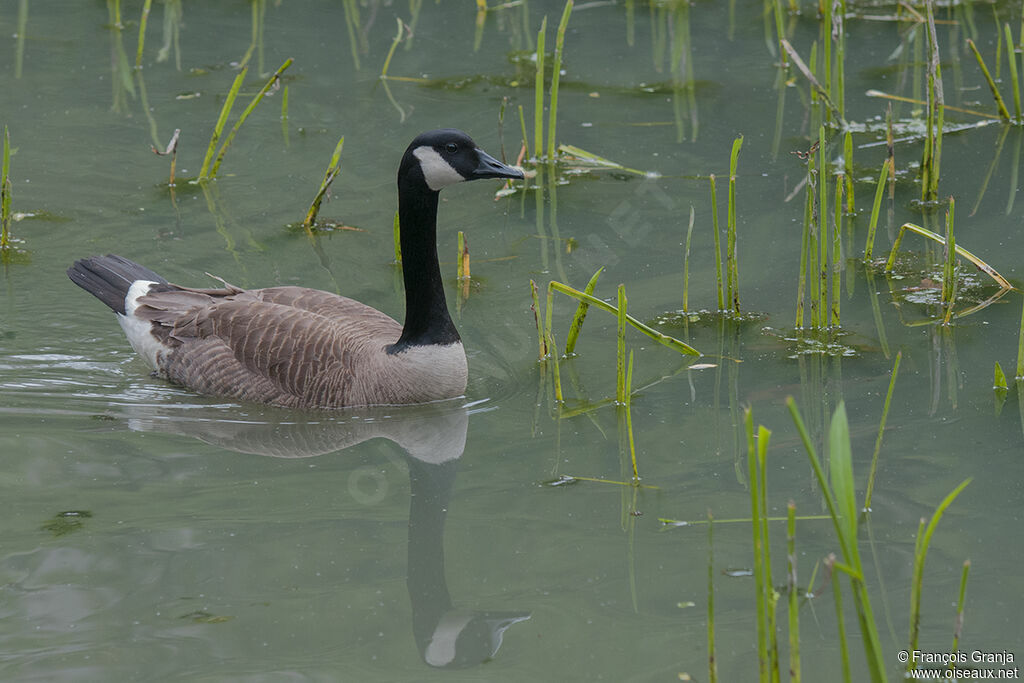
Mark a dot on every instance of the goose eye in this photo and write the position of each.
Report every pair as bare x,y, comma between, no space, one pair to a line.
451,148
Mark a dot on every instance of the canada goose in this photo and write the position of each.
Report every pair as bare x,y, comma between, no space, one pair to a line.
305,348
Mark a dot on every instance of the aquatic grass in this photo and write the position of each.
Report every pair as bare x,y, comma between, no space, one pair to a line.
143,20
542,347
1011,54
462,257
538,93
581,314
686,264
718,246
881,431
222,119
921,545
924,232
731,255
822,273
574,158
391,51
274,80
837,252
935,117
837,597
959,623
620,356
522,126
815,83
949,265
5,195
838,492
628,399
792,590
759,544
1000,104
875,207
805,242
999,378
556,67
848,168
664,339
329,175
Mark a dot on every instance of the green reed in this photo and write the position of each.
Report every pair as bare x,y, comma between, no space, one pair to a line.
143,20
620,346
759,544
793,591
718,244
837,251
731,256
1000,104
1011,53
462,257
396,233
805,246
222,119
686,264
999,378
838,492
329,175
5,194
538,93
837,596
765,595
848,167
949,265
960,606
664,339
923,541
875,207
822,273
522,127
542,347
935,117
924,232
581,314
556,68
259,97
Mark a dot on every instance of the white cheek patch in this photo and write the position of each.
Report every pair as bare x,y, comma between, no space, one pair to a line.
437,172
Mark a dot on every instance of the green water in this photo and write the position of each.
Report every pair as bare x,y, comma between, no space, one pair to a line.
387,544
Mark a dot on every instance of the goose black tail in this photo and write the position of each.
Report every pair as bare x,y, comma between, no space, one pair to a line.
109,277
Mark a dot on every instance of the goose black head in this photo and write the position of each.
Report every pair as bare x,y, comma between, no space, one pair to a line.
448,156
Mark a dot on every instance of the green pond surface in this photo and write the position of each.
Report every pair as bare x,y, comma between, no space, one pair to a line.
150,533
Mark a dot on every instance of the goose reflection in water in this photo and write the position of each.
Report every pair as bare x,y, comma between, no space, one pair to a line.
433,438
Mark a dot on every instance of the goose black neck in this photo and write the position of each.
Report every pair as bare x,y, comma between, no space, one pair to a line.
426,311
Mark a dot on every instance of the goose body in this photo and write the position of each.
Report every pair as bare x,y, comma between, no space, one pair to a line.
306,348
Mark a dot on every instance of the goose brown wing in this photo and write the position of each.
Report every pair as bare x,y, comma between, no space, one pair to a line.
285,345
